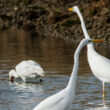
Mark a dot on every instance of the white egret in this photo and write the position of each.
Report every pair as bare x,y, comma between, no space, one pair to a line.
99,65
26,69
63,99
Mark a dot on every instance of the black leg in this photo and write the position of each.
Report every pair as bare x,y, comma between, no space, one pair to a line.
41,80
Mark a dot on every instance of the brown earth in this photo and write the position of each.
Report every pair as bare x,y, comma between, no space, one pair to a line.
51,18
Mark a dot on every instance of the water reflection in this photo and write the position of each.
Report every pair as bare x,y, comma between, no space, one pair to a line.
56,57
99,108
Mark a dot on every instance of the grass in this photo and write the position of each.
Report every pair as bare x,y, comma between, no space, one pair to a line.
26,2
58,10
37,7
70,22
92,12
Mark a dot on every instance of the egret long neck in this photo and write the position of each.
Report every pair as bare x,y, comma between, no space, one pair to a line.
83,24
89,46
72,82
15,74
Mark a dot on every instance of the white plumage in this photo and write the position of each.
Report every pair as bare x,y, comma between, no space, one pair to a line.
64,99
99,65
26,69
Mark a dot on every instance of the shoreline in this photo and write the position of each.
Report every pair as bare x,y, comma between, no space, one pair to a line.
52,18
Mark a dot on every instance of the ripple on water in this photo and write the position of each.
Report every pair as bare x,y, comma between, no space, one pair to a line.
56,57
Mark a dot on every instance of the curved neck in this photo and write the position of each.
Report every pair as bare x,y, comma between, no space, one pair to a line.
72,82
90,46
83,24
84,29
15,74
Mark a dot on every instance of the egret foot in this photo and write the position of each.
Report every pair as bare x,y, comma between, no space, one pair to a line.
104,103
41,80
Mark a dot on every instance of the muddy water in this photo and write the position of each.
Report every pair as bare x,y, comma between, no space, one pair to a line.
56,57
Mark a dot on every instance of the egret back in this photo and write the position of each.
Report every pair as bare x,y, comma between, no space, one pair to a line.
23,69
59,101
28,68
36,67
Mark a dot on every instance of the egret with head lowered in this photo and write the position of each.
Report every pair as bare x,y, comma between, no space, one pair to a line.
26,69
64,99
99,65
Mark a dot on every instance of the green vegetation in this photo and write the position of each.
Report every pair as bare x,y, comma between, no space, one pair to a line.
81,9
26,2
19,1
37,7
70,22
92,12
58,10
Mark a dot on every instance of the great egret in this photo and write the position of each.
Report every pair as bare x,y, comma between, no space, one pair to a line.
63,99
99,65
26,69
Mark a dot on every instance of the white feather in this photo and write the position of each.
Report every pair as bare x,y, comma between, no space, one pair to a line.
27,69
63,99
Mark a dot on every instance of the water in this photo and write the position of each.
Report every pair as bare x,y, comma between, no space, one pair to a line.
56,57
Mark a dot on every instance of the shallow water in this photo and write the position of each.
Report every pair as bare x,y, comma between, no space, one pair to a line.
56,57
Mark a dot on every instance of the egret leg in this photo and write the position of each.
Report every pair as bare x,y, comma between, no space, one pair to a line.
103,95
41,80
38,77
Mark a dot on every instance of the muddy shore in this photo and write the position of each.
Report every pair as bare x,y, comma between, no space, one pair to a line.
51,18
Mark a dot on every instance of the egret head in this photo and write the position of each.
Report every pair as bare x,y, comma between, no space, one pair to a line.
88,41
74,8
12,75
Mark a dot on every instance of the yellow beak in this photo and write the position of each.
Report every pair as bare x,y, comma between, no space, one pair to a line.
97,40
70,9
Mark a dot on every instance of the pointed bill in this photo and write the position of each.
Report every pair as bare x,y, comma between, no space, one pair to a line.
70,9
97,40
